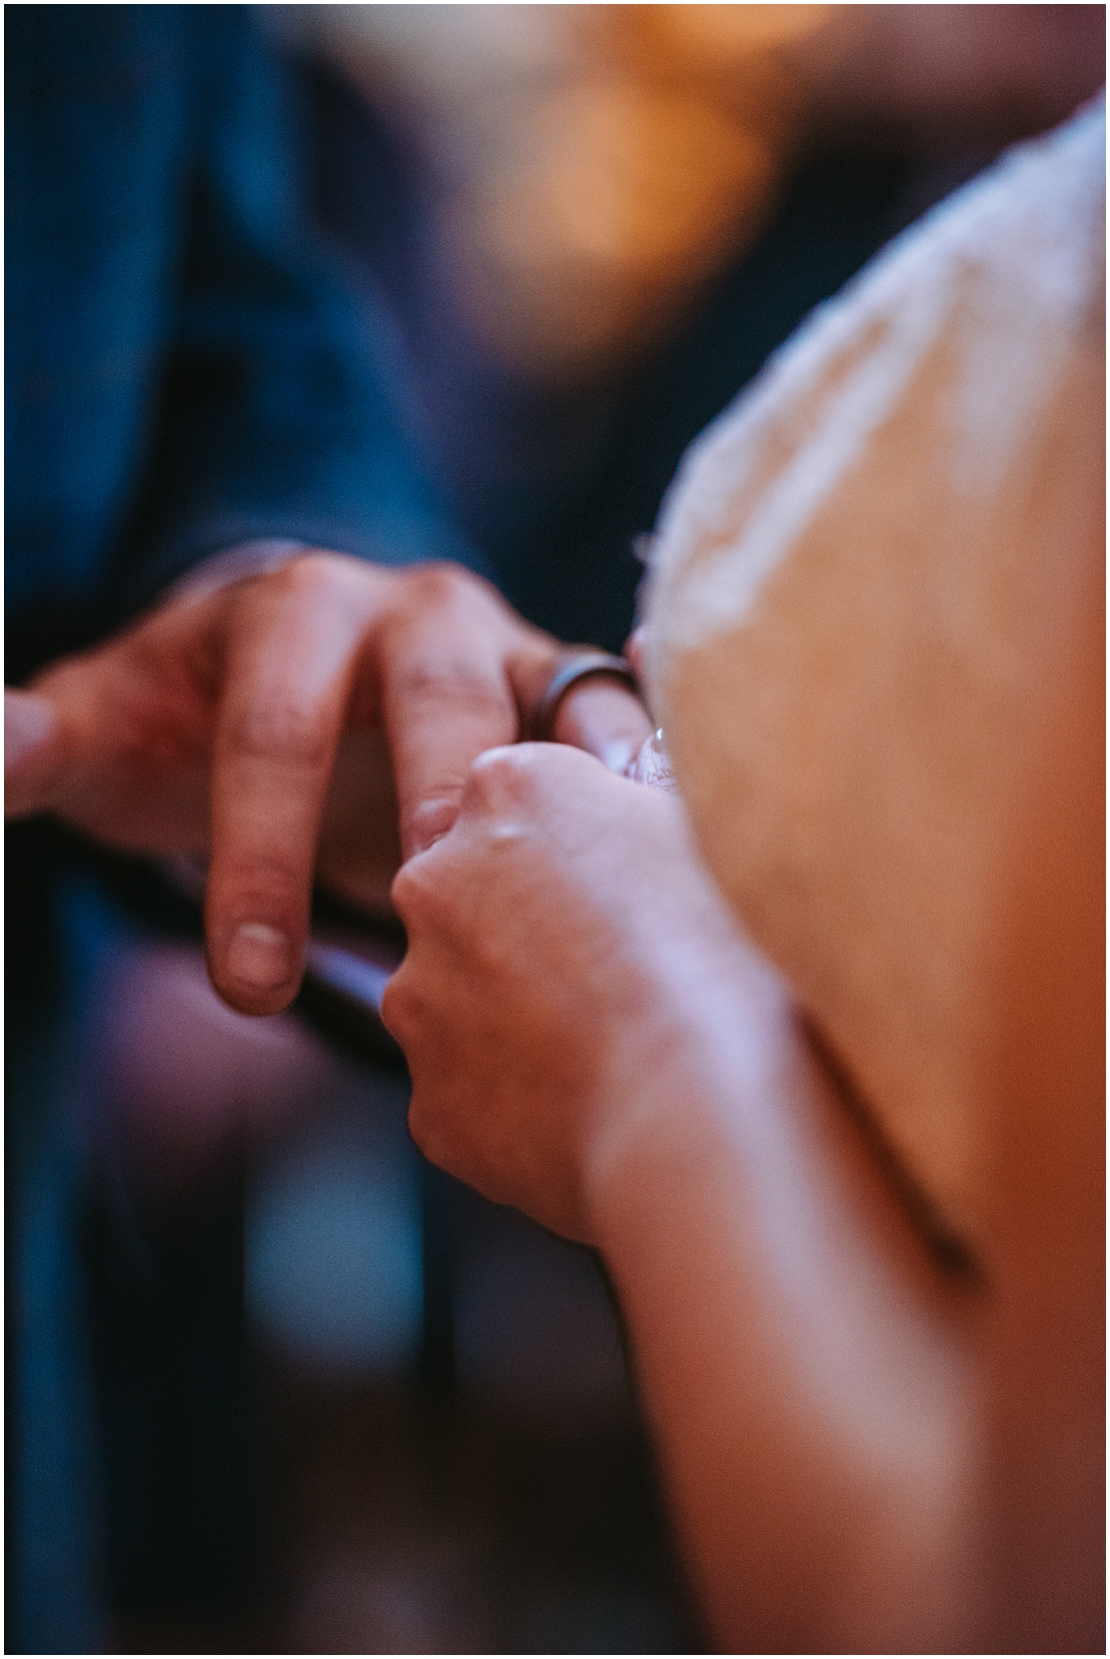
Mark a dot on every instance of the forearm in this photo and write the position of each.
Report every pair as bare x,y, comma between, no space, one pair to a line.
593,1039
806,1370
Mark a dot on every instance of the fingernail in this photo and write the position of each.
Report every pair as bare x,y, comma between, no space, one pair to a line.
618,754
430,822
260,955
28,722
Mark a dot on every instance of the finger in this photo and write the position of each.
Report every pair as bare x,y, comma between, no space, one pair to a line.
635,649
96,736
603,717
31,743
360,849
290,648
456,668
125,756
62,735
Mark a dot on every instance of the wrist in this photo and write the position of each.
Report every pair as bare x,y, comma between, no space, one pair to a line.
710,1040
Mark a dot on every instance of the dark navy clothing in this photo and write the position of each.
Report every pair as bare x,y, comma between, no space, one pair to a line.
183,371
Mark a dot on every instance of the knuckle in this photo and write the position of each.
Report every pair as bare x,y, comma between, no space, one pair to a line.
419,893
263,887
308,576
460,684
450,590
316,581
428,820
442,584
501,779
396,1008
406,893
282,731
405,1016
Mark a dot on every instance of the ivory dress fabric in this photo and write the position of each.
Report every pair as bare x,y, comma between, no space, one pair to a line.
856,581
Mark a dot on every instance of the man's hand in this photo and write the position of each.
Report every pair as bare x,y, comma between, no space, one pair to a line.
564,942
245,726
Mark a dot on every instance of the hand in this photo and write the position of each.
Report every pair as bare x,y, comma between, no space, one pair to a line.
564,942
245,725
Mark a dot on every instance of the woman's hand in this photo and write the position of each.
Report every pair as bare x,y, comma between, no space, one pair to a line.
563,939
592,1039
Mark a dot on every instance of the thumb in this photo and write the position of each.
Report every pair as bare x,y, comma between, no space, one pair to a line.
29,724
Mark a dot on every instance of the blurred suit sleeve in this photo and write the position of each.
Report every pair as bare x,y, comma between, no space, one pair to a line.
186,370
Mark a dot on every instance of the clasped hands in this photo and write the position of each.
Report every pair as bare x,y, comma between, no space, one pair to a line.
324,722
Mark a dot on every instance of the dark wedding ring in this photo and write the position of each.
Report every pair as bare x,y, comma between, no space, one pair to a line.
566,677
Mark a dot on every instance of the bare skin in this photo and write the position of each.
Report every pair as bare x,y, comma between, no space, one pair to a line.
246,726
592,1039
